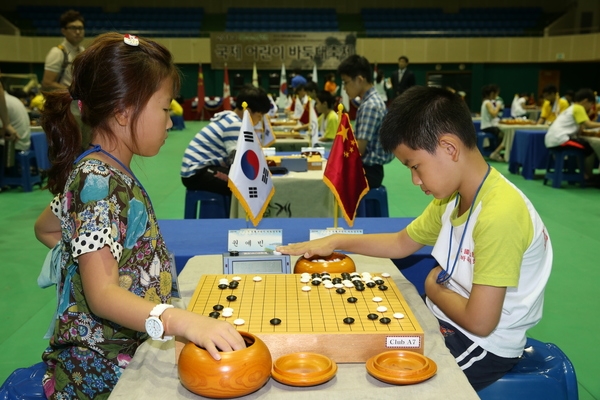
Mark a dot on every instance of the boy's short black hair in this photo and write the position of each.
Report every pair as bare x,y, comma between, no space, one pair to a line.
299,88
549,89
419,116
356,65
256,98
311,87
325,97
585,94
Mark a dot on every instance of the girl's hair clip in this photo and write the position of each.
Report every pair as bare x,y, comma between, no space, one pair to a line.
131,40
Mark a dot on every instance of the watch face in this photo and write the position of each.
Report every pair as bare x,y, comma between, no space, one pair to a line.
154,327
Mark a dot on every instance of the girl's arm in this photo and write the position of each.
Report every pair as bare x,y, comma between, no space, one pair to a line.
47,228
491,109
107,299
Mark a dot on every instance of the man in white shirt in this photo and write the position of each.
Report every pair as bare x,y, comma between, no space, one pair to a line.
58,64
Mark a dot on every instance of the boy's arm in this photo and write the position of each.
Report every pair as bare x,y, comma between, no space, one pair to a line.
479,314
384,245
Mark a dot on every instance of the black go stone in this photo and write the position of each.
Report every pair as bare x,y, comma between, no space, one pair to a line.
340,290
233,285
275,321
371,284
336,280
385,320
326,278
348,320
223,286
379,281
351,299
214,314
345,275
218,307
373,316
360,288
382,287
231,298
316,275
316,282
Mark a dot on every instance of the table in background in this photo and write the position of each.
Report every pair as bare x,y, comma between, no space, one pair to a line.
187,238
297,194
291,144
594,141
528,152
152,373
509,134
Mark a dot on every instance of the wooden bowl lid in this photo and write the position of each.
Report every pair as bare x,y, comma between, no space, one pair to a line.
334,263
303,369
400,367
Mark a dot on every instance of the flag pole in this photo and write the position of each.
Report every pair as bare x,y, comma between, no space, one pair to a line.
244,106
335,203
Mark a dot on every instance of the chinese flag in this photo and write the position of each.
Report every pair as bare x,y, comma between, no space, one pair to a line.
226,90
344,173
201,94
305,117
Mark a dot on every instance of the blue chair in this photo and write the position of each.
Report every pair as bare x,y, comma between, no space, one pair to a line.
212,205
25,179
544,372
374,204
24,384
565,164
486,151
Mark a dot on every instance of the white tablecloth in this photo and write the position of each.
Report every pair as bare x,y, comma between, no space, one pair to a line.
152,374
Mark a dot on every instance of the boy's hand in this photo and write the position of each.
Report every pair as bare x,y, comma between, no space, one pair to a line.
321,247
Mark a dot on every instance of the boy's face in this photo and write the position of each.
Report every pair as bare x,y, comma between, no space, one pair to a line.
432,172
321,107
352,86
586,104
549,96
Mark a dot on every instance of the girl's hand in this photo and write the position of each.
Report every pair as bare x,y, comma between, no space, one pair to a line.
214,335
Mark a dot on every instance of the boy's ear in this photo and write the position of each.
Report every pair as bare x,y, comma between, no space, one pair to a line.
449,146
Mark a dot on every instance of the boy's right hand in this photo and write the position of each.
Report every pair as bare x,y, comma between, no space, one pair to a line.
318,247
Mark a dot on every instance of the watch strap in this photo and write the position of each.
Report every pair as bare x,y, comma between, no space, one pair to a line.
157,311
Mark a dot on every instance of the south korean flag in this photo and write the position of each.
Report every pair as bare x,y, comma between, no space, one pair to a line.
250,180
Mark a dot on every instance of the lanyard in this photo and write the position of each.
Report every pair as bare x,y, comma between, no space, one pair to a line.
444,276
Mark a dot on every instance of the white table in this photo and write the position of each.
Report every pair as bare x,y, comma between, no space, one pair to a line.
152,374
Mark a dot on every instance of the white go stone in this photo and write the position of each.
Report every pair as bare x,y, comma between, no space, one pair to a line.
227,314
328,285
398,315
227,310
257,279
381,309
237,278
239,321
385,275
306,288
377,299
349,284
305,279
339,285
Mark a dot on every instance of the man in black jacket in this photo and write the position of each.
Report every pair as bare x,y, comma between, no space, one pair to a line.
402,79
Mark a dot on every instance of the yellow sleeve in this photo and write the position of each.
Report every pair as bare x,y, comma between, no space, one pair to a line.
546,109
332,125
562,105
176,108
425,229
579,114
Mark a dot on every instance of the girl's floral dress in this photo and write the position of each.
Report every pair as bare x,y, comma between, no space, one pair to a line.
100,207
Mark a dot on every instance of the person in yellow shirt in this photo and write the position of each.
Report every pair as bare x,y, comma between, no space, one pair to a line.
553,105
328,120
175,108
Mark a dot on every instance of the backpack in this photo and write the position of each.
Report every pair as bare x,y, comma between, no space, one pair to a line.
65,63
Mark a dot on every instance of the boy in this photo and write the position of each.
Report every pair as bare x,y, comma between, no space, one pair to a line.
568,125
553,105
328,119
493,250
209,155
357,76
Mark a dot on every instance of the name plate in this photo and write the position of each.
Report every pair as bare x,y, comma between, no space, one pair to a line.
321,233
269,151
403,342
253,239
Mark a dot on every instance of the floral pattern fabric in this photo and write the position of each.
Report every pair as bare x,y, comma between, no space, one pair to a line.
102,206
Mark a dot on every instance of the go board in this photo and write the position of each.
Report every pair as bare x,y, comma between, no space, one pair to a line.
314,320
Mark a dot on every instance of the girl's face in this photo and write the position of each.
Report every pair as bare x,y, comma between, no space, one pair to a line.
154,121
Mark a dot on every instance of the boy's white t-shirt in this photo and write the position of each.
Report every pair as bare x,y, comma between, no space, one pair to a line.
516,108
506,245
567,124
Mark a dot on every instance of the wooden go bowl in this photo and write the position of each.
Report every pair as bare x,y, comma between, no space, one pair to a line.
238,373
334,263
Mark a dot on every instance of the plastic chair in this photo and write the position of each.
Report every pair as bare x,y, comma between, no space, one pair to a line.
374,204
544,372
24,384
212,205
565,164
25,179
486,151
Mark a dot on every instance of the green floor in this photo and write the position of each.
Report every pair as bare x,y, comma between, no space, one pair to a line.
572,216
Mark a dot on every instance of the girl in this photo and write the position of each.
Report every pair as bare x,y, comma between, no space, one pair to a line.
115,273
490,109
380,85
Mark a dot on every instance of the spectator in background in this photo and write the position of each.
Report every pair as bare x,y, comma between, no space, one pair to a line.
209,155
381,85
357,75
297,79
498,101
490,109
13,116
330,84
58,65
403,78
519,107
553,105
566,130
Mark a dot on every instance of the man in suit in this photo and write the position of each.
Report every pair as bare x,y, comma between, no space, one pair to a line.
402,79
